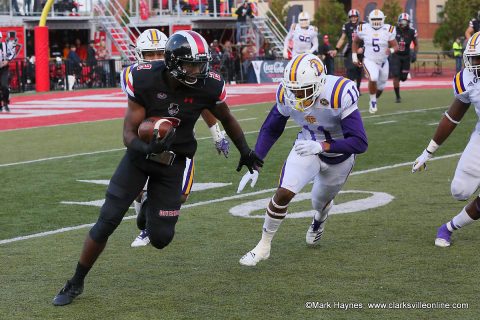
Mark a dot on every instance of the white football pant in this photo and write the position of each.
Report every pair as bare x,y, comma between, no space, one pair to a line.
376,72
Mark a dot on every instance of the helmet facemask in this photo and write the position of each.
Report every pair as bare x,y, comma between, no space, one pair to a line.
376,18
302,95
471,59
189,71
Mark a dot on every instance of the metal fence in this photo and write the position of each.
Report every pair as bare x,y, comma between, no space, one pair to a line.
102,74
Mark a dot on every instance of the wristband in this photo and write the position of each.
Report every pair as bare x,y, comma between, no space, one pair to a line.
432,147
216,132
392,50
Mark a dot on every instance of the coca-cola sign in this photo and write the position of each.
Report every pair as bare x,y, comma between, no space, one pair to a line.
267,71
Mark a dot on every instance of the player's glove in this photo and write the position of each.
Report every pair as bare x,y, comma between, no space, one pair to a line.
247,177
308,147
250,160
421,162
160,145
223,146
413,57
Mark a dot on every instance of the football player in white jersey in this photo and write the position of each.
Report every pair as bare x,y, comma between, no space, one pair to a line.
150,46
332,133
303,35
379,41
467,174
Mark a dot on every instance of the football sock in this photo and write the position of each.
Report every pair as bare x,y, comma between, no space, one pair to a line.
373,98
270,227
460,220
80,273
397,92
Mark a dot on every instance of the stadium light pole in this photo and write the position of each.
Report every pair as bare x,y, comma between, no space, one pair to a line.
42,75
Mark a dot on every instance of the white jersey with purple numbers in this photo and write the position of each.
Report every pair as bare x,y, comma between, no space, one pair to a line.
304,40
322,121
376,41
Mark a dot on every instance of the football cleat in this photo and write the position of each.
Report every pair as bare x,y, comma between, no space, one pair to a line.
6,108
315,231
69,292
373,107
141,240
398,100
443,236
259,253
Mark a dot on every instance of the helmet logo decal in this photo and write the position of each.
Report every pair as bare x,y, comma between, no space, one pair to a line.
317,65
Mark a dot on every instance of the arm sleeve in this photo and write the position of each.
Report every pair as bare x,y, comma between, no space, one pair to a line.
270,131
355,138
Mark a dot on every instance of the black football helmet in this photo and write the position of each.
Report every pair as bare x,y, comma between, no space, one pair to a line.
187,57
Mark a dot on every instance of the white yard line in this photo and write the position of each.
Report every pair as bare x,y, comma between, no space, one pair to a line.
201,203
385,122
246,119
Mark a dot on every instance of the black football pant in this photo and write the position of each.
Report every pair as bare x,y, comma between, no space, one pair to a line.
164,192
5,92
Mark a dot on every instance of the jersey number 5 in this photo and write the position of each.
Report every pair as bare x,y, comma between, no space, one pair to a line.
375,45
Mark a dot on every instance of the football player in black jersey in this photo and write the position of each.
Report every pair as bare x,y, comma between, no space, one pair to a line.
473,26
348,33
150,47
180,88
400,60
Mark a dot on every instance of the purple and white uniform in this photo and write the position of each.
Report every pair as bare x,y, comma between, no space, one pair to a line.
333,118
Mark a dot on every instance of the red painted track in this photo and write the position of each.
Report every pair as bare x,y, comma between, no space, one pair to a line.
55,108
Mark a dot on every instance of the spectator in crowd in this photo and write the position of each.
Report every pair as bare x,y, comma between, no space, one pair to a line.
327,54
74,67
6,54
457,53
243,11
473,26
91,62
228,62
66,50
103,56
216,55
15,7
81,50
27,4
249,52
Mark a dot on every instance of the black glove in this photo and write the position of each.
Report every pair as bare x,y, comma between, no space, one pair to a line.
158,146
251,160
413,57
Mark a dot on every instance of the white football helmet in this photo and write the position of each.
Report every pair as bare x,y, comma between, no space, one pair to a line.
304,19
376,18
150,40
472,51
304,79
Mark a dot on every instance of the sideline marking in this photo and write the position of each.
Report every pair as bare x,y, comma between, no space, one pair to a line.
202,138
239,196
385,122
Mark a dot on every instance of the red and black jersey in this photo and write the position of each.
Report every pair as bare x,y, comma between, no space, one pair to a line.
145,84
404,38
350,30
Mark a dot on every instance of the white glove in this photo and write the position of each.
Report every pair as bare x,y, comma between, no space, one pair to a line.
308,147
421,162
247,177
285,54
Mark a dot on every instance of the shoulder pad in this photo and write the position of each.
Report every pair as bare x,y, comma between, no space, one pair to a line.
280,94
458,83
337,92
391,29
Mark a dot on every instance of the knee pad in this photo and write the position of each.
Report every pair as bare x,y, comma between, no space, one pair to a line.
460,190
111,214
161,237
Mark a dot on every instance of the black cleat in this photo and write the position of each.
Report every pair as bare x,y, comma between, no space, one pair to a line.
6,108
69,292
398,100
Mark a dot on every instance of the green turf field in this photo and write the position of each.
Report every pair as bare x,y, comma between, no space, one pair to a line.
381,255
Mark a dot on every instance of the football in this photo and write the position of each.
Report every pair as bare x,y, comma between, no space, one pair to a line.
154,124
